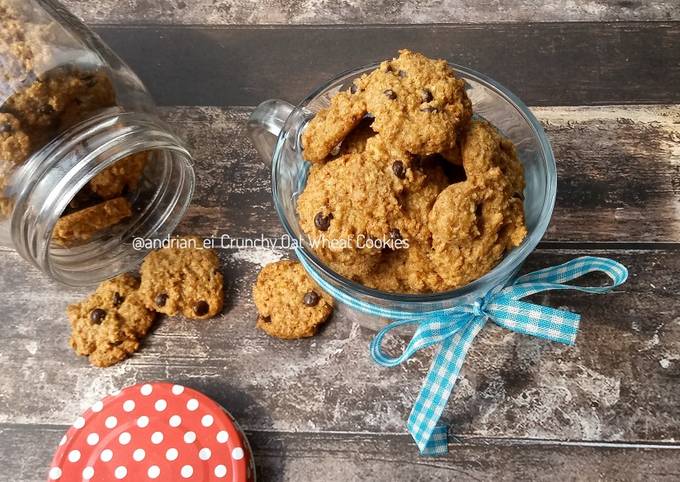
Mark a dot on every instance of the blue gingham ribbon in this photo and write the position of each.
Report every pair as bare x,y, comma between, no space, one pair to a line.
454,330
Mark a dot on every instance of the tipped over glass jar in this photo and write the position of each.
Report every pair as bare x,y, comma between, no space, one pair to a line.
86,165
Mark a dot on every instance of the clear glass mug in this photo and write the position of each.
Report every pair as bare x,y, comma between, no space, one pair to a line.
275,128
71,114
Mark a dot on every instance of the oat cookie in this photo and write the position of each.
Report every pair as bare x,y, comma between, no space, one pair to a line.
330,126
184,279
356,140
108,326
15,144
408,270
289,304
81,226
484,148
347,203
123,176
473,224
419,104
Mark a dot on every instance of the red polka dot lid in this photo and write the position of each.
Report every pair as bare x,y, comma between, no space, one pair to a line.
154,431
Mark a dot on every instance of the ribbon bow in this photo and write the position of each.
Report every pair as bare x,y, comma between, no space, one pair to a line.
454,330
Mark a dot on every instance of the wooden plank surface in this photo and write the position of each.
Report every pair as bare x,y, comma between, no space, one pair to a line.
544,64
618,384
359,457
320,408
618,168
361,12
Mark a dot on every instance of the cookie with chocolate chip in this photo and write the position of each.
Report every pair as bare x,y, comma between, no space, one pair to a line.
419,104
183,279
348,204
289,304
110,324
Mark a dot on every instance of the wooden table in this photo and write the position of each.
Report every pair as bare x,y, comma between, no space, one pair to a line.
603,77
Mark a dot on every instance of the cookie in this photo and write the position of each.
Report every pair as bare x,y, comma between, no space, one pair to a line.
348,204
109,325
98,93
331,125
81,226
289,304
183,279
356,141
123,176
417,200
407,270
419,104
15,144
484,149
473,224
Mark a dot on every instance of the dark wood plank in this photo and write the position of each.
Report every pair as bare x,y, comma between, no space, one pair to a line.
289,457
617,384
619,172
358,12
545,64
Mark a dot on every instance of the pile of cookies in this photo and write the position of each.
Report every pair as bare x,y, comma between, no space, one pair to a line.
39,102
407,192
182,279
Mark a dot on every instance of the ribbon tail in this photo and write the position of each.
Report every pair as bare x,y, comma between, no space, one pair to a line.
423,422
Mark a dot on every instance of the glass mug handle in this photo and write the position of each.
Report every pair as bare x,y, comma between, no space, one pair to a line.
266,123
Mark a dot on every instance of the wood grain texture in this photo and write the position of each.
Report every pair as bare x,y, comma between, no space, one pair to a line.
618,171
362,12
618,384
605,63
287,457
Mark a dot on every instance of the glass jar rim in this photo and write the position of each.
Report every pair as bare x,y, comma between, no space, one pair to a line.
512,261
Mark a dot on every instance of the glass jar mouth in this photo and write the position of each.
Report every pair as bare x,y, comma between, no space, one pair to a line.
62,168
510,262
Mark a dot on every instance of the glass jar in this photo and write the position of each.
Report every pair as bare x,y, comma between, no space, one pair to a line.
276,127
86,165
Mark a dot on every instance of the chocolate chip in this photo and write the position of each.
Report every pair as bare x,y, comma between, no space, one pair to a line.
311,298
46,109
161,299
322,222
6,127
402,74
390,94
429,109
117,299
395,234
399,169
97,316
266,319
426,95
201,308
353,89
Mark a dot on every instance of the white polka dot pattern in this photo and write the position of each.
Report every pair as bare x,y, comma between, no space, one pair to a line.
154,431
